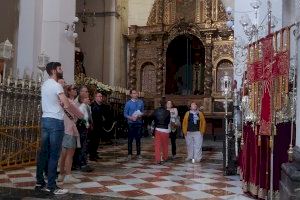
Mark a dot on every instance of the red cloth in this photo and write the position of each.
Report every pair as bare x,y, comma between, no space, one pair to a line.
161,143
255,159
271,66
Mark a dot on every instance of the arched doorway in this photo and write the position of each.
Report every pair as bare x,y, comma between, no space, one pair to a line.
185,64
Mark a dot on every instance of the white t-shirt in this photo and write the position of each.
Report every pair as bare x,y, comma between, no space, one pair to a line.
50,101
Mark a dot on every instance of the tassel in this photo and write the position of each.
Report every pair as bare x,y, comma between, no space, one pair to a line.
271,143
259,141
290,153
242,141
286,84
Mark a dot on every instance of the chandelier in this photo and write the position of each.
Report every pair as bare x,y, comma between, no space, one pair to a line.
87,18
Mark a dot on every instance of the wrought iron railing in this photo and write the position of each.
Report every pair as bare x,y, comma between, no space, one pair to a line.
19,122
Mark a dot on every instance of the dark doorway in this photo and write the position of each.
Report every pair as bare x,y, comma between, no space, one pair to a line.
185,66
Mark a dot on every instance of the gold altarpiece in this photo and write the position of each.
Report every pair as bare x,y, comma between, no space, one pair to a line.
168,19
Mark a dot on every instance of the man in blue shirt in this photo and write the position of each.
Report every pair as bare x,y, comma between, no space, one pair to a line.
133,112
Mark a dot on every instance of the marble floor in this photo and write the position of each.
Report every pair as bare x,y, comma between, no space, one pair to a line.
116,178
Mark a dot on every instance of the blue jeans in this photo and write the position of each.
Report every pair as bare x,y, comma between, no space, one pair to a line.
51,141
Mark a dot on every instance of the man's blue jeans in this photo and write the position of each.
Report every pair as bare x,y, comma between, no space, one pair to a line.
51,141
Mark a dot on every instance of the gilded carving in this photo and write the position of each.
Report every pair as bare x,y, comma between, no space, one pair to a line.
148,83
169,19
222,50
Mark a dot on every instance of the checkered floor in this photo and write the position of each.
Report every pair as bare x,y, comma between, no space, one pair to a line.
143,179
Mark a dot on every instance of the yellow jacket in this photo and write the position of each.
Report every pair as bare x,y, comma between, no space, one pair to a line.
202,124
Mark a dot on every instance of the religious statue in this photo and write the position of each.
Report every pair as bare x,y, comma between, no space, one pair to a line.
79,57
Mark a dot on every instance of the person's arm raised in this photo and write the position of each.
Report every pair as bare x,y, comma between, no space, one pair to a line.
64,100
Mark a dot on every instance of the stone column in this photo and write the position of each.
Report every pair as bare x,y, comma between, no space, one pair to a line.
208,70
56,15
42,26
132,64
109,43
290,174
29,35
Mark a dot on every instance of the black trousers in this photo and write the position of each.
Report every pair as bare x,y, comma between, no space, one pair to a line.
94,140
80,156
134,132
173,136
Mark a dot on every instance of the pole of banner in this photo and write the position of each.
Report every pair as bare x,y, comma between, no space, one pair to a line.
274,116
296,35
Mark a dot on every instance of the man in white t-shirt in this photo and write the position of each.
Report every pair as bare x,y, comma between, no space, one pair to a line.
54,102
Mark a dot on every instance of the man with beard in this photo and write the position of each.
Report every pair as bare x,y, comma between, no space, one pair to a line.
54,102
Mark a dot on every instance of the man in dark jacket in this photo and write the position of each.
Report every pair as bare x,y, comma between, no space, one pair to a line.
98,114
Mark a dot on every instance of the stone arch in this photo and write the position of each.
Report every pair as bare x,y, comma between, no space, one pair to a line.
182,28
148,78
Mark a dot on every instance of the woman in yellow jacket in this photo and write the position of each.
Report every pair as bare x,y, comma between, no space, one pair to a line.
193,127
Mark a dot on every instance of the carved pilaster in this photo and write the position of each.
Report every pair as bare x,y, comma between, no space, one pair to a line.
208,21
132,64
160,11
208,80
159,71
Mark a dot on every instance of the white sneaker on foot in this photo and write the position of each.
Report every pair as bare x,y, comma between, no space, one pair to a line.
58,191
60,178
71,179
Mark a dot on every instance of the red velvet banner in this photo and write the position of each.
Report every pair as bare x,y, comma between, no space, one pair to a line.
271,66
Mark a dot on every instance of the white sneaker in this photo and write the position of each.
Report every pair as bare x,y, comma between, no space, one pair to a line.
60,178
59,191
71,179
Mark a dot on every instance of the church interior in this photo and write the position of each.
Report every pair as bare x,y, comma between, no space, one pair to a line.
236,60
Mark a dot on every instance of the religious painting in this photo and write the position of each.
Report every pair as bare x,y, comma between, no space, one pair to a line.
148,78
224,66
186,9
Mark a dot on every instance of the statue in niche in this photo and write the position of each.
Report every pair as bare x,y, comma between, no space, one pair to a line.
79,57
198,78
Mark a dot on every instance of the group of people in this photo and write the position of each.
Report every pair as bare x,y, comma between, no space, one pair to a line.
71,130
166,123
71,127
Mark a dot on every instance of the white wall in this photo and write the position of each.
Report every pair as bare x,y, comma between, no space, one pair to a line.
242,8
291,15
56,15
92,41
103,44
29,35
42,28
139,11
